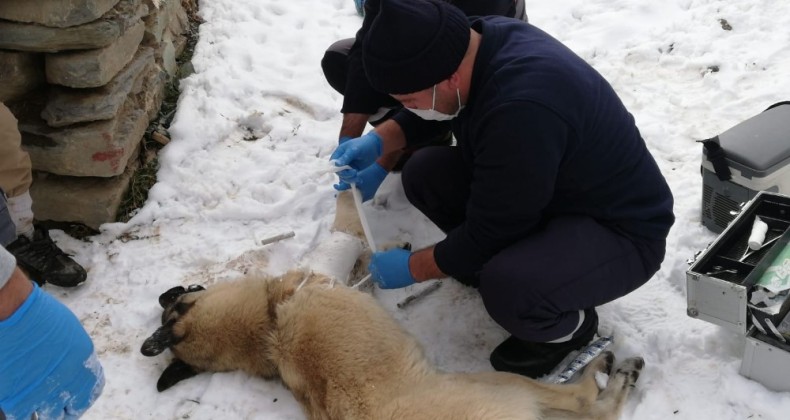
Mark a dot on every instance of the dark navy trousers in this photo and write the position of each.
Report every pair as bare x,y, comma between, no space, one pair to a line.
536,287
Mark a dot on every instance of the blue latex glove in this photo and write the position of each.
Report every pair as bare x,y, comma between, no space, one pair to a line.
47,362
359,153
367,180
390,269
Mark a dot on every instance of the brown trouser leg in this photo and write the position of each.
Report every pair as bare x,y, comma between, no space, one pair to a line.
15,174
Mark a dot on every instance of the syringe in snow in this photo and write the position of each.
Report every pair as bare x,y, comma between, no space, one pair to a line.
583,359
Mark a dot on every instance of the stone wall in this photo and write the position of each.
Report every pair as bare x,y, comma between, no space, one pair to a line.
84,78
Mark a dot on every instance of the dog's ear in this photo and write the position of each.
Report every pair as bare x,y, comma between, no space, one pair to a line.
175,373
170,296
167,298
160,340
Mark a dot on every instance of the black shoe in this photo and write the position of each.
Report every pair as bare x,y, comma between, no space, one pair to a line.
45,262
537,359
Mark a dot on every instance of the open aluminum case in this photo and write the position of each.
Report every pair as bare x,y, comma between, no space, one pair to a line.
721,282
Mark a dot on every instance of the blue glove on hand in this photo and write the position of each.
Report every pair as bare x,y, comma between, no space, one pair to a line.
358,153
47,362
390,269
367,180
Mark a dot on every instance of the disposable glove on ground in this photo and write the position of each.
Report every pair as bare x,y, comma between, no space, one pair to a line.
390,269
358,153
47,362
367,180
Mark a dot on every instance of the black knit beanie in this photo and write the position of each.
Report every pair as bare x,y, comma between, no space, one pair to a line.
414,44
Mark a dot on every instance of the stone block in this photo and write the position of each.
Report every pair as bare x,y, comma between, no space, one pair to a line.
89,200
94,68
20,73
55,13
98,149
96,34
169,16
68,106
166,55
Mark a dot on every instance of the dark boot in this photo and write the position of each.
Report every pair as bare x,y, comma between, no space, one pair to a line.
44,262
537,359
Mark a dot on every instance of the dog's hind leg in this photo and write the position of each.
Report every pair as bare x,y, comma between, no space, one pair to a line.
576,399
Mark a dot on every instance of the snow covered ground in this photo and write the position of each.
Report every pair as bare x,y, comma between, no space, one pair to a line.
679,71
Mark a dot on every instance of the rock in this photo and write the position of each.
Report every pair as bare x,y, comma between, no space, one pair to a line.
68,106
20,73
98,149
96,34
88,200
94,68
55,13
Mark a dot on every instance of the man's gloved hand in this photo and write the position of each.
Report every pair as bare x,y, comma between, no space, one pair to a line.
47,362
367,180
390,269
358,153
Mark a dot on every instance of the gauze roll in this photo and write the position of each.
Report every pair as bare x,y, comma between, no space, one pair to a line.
757,237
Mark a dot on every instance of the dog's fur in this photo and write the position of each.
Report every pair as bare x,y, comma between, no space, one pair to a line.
344,357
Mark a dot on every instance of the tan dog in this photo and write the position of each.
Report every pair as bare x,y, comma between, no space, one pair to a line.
344,357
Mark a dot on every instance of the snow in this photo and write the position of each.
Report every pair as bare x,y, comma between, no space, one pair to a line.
219,193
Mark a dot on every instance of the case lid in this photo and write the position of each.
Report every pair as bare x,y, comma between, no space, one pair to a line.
761,144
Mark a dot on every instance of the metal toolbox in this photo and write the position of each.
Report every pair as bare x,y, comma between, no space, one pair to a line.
766,360
725,286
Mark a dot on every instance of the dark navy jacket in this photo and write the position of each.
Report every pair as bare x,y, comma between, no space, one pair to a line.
544,134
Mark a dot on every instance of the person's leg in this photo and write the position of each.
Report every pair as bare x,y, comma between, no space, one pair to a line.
15,173
544,289
436,181
507,8
335,67
33,248
7,228
335,64
520,11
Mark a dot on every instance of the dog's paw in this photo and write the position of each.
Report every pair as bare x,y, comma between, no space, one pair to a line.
628,372
603,363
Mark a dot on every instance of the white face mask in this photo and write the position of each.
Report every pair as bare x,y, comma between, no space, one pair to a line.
433,114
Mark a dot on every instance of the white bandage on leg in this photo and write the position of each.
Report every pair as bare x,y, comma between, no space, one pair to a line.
7,266
21,210
335,256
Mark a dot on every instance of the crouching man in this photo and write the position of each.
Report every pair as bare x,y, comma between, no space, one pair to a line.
551,201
